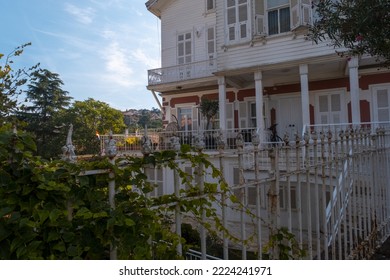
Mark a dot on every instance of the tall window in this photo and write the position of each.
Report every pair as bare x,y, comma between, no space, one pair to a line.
278,16
155,176
210,6
237,20
184,118
382,104
184,48
184,55
330,108
211,44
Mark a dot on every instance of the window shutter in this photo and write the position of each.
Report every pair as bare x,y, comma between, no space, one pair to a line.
243,115
211,45
260,26
306,12
383,106
301,13
231,21
210,5
295,14
195,118
243,19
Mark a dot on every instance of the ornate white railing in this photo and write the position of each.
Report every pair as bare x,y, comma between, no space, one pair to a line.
195,70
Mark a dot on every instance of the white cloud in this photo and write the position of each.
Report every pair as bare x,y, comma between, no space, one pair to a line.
84,16
144,57
118,66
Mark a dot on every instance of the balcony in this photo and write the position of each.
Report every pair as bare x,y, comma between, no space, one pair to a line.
183,72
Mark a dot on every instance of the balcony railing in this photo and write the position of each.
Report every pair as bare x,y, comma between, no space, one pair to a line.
182,72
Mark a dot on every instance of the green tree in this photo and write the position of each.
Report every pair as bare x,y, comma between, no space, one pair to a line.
360,26
11,83
46,100
90,117
209,109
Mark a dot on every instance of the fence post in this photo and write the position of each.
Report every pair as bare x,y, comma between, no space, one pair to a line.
273,197
240,147
221,149
199,145
256,143
178,219
111,152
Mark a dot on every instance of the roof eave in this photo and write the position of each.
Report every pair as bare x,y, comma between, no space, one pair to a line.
151,5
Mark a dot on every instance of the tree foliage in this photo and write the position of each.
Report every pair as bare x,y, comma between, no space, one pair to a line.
46,99
209,109
360,26
89,117
11,82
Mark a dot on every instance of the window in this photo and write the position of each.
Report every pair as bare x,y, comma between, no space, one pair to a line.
278,16
210,6
237,20
184,48
382,104
155,176
211,45
329,107
184,55
184,118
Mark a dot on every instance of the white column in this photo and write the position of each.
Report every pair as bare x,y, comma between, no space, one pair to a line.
222,103
259,104
303,71
353,65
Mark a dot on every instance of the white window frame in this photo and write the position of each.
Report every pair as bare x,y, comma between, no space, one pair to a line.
278,8
211,55
210,6
374,91
185,66
300,13
343,106
238,25
184,41
157,179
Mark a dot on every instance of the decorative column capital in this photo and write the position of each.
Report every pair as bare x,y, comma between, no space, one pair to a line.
303,69
221,81
353,62
258,76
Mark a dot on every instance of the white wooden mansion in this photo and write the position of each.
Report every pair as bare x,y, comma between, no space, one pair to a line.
331,183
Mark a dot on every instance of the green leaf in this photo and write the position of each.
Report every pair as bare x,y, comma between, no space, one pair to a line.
43,215
129,222
54,215
84,213
53,236
234,199
60,246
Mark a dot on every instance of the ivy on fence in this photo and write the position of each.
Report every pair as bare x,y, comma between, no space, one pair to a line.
48,211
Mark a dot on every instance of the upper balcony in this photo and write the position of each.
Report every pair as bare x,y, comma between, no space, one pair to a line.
182,73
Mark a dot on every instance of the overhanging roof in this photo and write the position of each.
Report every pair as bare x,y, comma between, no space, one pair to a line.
154,6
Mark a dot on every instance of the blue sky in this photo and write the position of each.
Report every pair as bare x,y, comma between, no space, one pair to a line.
101,49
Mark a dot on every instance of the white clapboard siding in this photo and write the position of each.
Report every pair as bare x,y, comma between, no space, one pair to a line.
182,16
276,50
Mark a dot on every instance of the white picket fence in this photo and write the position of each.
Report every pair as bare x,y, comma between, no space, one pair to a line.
330,188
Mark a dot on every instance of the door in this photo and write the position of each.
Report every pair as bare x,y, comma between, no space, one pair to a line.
289,117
